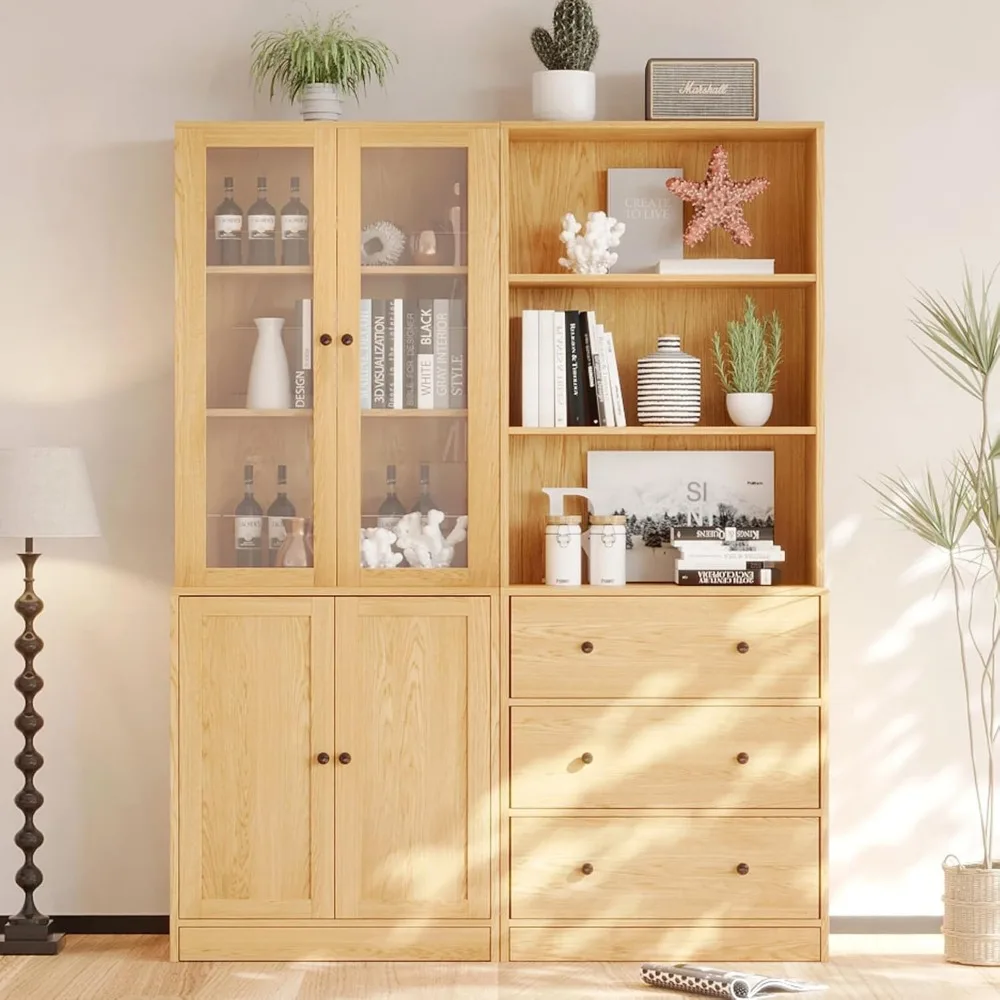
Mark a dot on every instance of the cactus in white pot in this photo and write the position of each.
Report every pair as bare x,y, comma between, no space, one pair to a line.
566,89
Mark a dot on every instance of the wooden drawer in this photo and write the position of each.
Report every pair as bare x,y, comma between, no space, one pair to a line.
655,757
664,867
665,647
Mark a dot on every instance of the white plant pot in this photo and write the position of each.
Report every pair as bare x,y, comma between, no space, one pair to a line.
270,386
749,409
321,103
564,95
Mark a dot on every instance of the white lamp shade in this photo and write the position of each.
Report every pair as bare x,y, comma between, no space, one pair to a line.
45,493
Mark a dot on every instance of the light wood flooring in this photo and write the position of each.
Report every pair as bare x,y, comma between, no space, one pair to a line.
129,968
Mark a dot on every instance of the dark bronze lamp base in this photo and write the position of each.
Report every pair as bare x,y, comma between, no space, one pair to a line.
47,944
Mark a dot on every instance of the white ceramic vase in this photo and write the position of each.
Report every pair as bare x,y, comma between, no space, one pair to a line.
321,103
564,95
749,409
270,386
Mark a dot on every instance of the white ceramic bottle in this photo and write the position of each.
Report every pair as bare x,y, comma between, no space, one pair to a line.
270,386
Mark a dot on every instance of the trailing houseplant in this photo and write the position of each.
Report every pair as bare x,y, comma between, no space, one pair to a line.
319,62
748,366
958,512
566,89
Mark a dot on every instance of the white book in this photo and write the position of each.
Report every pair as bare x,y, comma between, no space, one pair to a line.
425,355
529,368
716,563
398,361
559,360
609,399
617,399
715,265
546,369
597,360
365,373
716,548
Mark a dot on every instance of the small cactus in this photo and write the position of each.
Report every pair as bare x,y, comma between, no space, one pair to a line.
574,39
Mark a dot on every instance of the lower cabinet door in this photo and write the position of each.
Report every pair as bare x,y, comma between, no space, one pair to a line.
255,805
412,757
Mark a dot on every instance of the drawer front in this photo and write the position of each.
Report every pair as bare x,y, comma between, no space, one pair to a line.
654,757
754,646
665,867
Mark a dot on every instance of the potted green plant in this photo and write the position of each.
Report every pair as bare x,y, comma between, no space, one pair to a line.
566,89
958,513
748,367
319,62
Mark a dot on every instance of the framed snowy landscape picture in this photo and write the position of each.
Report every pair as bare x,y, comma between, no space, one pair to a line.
656,490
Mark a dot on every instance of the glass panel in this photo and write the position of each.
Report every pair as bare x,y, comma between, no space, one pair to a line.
414,358
259,362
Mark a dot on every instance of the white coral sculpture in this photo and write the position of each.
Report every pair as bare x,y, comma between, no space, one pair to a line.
592,252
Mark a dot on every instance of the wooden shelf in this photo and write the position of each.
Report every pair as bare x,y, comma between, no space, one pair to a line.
661,280
268,414
665,131
263,270
412,269
414,414
697,430
653,590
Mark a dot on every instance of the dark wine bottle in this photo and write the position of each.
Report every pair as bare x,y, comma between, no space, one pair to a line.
260,225
276,514
228,229
294,230
391,510
424,502
249,524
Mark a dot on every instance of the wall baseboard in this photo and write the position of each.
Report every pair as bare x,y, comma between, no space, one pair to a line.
885,925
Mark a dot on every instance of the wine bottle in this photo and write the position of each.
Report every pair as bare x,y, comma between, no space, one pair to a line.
249,524
228,229
295,230
260,224
424,502
276,514
391,510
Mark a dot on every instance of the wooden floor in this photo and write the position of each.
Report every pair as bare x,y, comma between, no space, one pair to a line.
128,968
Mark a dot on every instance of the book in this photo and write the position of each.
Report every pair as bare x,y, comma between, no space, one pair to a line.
711,533
591,415
425,354
653,217
441,354
575,372
529,368
457,356
603,375
704,563
380,386
302,375
726,577
716,265
409,355
705,980
617,398
395,353
365,354
546,369
559,366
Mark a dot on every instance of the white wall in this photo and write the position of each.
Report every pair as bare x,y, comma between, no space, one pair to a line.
910,93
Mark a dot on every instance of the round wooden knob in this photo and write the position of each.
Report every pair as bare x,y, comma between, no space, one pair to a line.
326,340
323,758
743,647
587,647
344,758
347,340
587,758
743,758
742,869
587,868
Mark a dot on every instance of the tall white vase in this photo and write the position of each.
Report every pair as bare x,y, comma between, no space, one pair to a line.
270,386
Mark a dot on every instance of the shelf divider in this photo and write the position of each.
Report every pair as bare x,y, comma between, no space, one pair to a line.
662,280
696,430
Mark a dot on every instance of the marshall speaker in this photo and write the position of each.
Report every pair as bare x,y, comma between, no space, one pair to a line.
698,89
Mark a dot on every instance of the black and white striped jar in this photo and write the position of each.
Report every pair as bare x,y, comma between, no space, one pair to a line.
669,385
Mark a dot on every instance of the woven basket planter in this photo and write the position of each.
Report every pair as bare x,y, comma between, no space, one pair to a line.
971,914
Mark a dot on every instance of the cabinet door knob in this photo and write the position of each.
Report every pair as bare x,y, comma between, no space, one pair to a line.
742,869
743,758
587,758
323,758
344,758
587,868
326,340
587,647
743,647
347,340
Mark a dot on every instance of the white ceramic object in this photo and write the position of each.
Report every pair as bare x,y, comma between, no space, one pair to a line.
270,386
564,95
606,545
668,389
591,253
749,409
320,102
563,550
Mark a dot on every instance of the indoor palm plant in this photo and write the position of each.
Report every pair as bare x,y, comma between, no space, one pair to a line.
748,366
319,62
566,90
958,512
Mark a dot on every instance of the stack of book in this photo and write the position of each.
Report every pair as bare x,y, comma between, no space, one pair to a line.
413,354
569,372
713,556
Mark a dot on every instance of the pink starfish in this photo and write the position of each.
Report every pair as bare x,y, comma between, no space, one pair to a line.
718,201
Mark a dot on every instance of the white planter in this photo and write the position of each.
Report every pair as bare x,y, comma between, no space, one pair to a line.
270,386
564,95
749,409
321,103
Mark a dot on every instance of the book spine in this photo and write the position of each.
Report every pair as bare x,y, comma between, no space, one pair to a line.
365,355
380,386
591,416
721,563
529,368
710,533
409,355
458,352
440,354
617,399
398,354
425,355
546,369
574,372
390,354
302,376
605,415
726,577
559,366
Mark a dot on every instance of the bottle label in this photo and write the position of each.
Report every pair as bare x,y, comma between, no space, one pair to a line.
248,531
294,227
228,227
275,532
261,227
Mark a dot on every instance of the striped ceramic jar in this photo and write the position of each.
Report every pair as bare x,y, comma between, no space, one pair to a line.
669,385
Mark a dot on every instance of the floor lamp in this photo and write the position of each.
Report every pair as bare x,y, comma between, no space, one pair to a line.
44,493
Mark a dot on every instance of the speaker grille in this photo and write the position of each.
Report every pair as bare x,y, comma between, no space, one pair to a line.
694,89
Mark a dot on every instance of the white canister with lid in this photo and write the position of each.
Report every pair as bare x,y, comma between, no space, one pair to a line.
563,550
606,546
